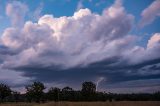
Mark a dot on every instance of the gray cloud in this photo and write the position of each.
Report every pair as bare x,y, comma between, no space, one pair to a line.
13,78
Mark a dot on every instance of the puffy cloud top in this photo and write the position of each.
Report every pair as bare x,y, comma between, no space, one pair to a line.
82,38
154,39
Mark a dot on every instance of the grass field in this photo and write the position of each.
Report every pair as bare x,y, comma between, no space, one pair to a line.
124,103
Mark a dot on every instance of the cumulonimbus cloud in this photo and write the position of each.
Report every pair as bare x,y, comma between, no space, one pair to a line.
82,38
76,41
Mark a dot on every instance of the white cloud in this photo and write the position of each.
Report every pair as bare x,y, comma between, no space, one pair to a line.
83,38
150,13
16,11
80,5
139,54
153,40
37,13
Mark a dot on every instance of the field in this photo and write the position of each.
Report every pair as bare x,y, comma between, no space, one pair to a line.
124,103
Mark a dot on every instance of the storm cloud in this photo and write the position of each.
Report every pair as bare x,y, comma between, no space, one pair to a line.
72,49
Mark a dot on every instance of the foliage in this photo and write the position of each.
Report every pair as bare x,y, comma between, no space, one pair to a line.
35,93
88,91
5,91
53,94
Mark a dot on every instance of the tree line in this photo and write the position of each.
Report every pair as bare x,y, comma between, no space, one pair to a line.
35,93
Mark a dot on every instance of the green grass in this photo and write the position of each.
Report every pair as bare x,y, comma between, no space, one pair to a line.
122,103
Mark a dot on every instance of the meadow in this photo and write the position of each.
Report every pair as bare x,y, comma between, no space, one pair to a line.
120,103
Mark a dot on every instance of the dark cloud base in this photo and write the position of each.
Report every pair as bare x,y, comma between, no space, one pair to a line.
116,77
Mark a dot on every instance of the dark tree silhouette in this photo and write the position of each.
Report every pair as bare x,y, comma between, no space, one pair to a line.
35,92
67,94
67,89
5,91
88,91
16,96
54,94
88,87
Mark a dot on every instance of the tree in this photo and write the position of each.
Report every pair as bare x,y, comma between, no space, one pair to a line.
5,91
88,90
67,93
67,89
35,92
54,94
16,96
88,87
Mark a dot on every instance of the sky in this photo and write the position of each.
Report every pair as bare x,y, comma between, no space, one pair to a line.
114,43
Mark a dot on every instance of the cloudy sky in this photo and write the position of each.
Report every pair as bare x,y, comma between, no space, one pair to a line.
115,44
